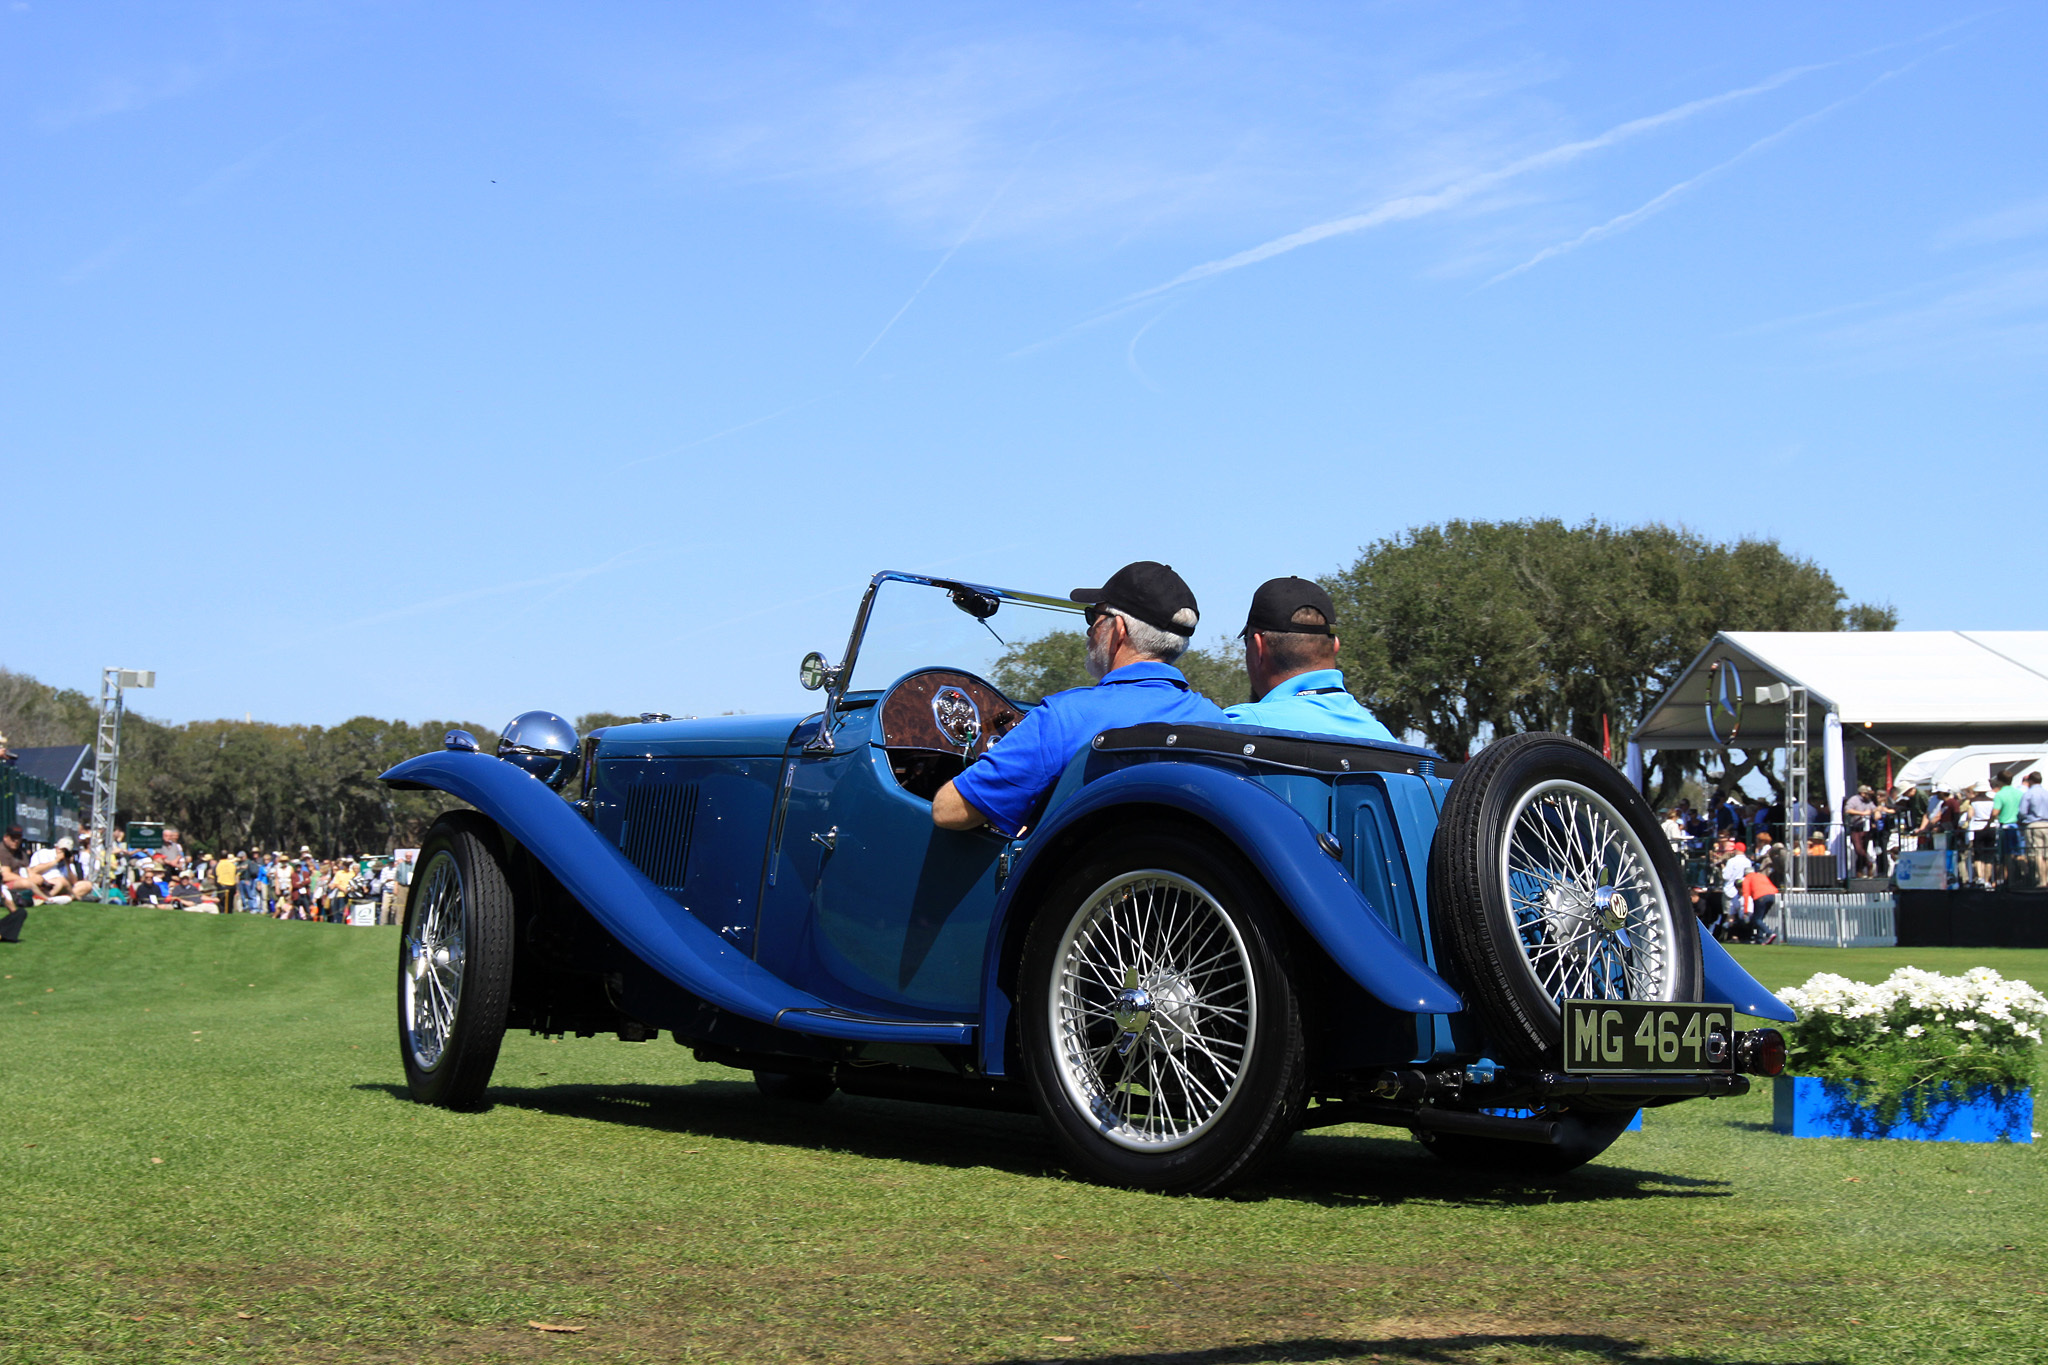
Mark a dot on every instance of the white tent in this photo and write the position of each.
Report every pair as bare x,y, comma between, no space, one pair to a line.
1900,688
1908,687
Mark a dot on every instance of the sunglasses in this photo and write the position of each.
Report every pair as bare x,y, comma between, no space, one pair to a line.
1094,614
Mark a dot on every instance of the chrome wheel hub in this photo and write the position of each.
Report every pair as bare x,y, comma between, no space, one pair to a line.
431,982
1589,910
1152,1010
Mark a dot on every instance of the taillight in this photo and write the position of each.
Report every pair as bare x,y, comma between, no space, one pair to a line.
1760,1052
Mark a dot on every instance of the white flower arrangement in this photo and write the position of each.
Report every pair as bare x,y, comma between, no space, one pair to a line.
1912,999
1917,1031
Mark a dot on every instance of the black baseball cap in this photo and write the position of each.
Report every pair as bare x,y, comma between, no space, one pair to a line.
1150,591
1276,601
14,831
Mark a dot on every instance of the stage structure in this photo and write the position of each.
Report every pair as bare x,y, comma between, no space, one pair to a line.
1898,690
106,758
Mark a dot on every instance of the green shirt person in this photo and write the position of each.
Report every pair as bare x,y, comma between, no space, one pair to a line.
2005,800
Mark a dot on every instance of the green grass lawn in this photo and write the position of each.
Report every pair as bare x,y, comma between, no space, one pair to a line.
208,1155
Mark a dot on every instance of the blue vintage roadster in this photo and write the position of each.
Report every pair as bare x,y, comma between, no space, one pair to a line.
1210,937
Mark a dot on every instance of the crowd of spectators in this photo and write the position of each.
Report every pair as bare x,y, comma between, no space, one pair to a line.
281,886
1736,851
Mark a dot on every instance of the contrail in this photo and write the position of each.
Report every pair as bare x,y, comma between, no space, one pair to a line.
1624,222
729,431
1419,205
1001,190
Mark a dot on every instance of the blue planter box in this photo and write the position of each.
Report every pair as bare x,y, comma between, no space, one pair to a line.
1806,1106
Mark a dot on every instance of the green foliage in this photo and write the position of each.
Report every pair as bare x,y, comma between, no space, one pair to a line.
1218,672
1034,670
1898,1044
246,785
595,720
1054,662
1473,627
33,715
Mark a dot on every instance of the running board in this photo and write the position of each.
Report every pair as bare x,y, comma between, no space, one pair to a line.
873,1028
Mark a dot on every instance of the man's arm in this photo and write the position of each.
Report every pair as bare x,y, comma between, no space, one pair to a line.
950,810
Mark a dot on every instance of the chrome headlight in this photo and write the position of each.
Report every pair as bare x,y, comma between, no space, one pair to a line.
543,744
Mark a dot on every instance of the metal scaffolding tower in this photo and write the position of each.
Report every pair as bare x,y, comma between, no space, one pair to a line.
1795,787
106,757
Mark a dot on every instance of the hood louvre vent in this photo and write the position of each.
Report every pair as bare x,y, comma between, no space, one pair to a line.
660,817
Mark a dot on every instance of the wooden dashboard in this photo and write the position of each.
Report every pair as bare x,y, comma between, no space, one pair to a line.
934,710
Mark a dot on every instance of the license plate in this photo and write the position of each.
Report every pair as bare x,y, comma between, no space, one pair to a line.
1637,1036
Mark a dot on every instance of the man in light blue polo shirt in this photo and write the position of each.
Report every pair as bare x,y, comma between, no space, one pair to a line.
1290,653
1139,622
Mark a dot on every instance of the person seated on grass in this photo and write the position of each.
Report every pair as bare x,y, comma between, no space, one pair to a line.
1290,656
17,890
56,872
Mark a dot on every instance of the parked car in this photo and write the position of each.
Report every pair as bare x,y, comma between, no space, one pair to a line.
1210,937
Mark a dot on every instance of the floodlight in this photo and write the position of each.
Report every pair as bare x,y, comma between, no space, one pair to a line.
135,677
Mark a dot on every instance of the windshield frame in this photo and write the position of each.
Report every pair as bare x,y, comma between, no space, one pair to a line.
842,673
845,669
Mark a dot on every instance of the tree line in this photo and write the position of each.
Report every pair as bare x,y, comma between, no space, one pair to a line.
1457,632
1452,633
230,784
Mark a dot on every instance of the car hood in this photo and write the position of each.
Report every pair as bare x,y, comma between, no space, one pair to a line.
712,735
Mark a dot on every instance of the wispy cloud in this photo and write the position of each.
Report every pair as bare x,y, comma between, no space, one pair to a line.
1623,222
117,250
557,583
2029,219
128,92
954,250
732,430
1450,196
1994,318
1197,119
1131,350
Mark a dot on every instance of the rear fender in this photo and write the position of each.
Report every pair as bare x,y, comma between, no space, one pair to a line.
1271,835
1728,984
650,924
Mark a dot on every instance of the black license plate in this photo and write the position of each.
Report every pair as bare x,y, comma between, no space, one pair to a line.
1604,1037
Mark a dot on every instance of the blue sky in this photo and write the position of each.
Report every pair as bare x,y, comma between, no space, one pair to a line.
429,360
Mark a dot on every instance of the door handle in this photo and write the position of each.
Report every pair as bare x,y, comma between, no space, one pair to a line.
828,841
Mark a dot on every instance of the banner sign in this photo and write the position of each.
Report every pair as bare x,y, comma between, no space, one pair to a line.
32,813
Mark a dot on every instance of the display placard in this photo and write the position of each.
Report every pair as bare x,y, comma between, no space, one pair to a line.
32,813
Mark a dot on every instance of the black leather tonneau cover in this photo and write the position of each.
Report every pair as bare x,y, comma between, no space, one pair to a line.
1277,749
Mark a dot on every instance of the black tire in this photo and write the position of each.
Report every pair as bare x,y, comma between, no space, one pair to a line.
1534,831
1582,1137
1175,1113
457,933
801,1088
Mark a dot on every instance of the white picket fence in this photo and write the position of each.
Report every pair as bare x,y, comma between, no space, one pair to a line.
1827,919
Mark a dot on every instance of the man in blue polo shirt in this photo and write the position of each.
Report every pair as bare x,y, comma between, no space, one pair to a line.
1139,622
1290,653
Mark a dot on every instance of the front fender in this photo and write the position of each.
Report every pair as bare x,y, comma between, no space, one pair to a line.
1280,846
639,914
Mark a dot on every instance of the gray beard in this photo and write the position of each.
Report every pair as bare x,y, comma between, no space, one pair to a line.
1098,657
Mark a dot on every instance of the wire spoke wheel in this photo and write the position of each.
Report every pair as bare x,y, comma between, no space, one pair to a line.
455,963
1550,881
1154,1010
1589,912
1159,1027
430,984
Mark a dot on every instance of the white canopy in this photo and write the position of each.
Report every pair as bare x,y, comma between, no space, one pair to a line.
1905,687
